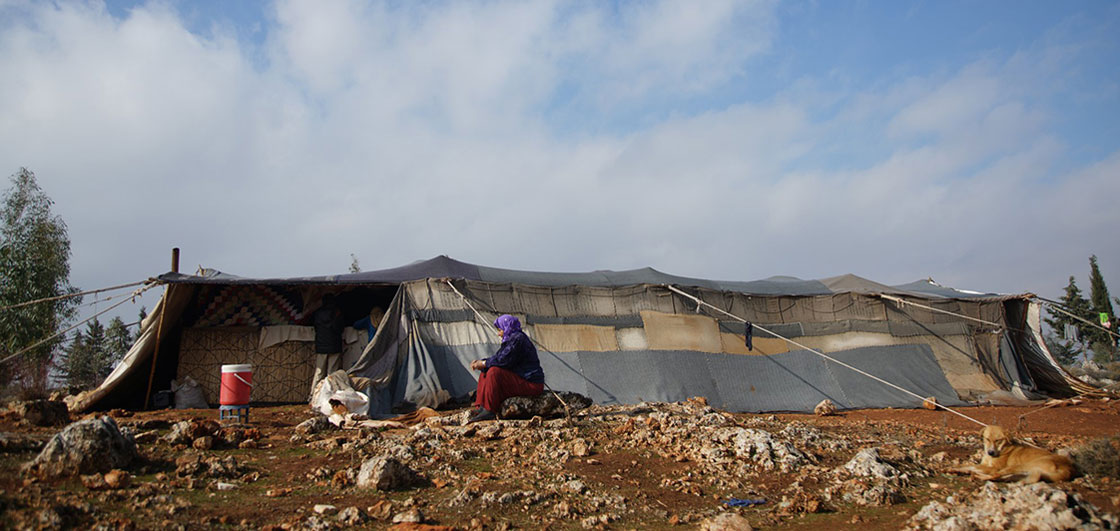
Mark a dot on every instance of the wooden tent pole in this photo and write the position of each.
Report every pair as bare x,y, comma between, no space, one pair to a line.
155,355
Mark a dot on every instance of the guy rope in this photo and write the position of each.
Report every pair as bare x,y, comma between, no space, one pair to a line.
148,284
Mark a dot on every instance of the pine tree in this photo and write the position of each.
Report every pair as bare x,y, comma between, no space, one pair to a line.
87,362
117,342
1063,344
1102,342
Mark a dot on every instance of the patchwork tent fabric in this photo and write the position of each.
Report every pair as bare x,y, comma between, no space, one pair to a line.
252,305
636,343
622,337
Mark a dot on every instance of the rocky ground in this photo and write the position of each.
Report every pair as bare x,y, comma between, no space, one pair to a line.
652,465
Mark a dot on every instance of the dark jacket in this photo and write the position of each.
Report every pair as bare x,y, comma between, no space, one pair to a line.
518,355
328,329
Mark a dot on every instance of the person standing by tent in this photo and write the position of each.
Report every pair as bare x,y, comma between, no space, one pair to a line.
369,323
514,370
328,339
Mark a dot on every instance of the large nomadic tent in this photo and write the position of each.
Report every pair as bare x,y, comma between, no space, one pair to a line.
616,336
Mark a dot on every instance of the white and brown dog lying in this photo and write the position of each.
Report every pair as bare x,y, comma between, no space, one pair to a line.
1005,459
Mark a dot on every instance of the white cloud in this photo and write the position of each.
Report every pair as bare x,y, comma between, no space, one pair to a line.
398,132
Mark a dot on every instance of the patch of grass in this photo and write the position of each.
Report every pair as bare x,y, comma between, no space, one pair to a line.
477,464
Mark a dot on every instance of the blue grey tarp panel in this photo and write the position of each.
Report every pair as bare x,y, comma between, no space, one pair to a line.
911,367
563,372
637,376
792,381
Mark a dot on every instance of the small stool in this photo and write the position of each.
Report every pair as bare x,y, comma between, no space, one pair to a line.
241,413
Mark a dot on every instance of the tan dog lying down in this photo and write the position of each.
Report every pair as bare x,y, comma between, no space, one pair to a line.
1005,459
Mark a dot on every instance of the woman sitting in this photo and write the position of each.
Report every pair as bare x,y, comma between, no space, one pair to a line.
513,370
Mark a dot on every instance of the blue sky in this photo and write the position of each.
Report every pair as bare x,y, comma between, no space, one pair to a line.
972,142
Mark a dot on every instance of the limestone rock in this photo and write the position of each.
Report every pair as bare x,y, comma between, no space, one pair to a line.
314,425
180,433
867,463
386,473
545,405
1014,506
825,408
411,516
352,516
85,447
761,447
187,431
726,522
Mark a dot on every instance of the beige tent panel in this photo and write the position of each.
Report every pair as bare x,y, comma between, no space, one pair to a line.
666,331
571,338
763,346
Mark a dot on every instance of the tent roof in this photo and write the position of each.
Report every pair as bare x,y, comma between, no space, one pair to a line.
446,267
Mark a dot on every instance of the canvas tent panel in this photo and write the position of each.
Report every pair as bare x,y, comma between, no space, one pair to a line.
572,338
419,298
441,295
458,332
583,300
733,344
682,332
847,340
857,307
761,346
533,300
636,299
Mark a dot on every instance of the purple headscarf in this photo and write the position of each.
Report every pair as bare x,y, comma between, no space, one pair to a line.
508,324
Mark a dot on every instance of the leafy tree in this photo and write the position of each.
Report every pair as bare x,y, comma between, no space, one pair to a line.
34,265
354,266
1103,343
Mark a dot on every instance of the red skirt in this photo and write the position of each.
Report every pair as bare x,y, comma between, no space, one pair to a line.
497,384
